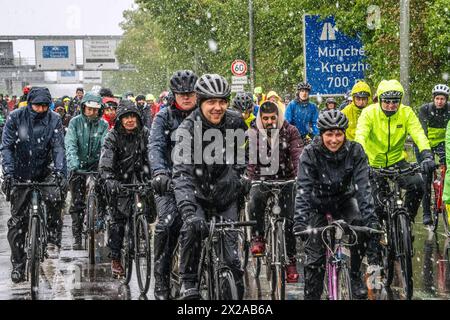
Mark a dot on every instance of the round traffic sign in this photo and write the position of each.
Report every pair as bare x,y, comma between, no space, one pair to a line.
239,68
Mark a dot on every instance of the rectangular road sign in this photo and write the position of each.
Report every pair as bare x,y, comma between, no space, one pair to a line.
100,54
239,80
93,77
333,61
6,54
237,88
67,77
55,55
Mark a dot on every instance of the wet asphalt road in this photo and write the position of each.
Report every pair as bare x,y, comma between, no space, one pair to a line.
70,277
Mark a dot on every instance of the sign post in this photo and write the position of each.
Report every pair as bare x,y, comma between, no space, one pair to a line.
334,62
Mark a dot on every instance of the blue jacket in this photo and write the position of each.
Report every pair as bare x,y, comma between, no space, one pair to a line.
303,116
160,144
31,143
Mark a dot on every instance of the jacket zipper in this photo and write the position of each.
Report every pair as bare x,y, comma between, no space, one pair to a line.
389,139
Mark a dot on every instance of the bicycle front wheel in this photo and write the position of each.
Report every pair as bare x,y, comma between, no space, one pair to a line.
405,253
34,258
344,284
206,287
175,280
227,285
92,213
278,277
127,254
143,255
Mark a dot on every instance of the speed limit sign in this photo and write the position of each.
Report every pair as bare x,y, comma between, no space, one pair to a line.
239,68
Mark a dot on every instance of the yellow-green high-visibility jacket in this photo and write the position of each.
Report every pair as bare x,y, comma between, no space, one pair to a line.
352,112
383,138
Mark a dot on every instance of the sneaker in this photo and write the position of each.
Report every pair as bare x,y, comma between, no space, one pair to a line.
117,269
427,219
291,271
359,289
258,247
18,273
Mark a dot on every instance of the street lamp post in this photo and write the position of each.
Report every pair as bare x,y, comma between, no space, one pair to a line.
404,49
252,45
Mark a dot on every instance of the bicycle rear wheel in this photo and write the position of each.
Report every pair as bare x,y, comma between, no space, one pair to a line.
92,213
344,283
278,269
405,253
175,280
143,255
227,285
34,259
127,254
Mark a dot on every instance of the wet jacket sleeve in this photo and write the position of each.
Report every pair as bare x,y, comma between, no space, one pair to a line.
363,129
158,147
108,158
305,182
71,140
423,118
416,132
295,146
315,130
8,145
363,193
58,148
183,172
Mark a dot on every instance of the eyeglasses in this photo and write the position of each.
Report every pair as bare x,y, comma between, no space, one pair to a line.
188,94
273,118
389,101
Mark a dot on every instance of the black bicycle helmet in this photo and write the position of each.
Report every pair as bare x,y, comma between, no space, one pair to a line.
331,100
361,94
391,95
212,86
304,86
243,101
441,89
183,81
332,119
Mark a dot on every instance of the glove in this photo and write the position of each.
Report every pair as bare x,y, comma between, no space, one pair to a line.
6,185
61,181
373,224
299,227
427,165
246,185
112,187
161,184
194,221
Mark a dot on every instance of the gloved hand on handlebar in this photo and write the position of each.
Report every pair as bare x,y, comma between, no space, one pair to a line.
246,185
427,165
8,181
161,184
373,224
192,220
112,187
61,180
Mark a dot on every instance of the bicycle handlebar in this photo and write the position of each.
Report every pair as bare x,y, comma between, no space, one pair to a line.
34,184
233,224
339,224
397,172
85,173
274,183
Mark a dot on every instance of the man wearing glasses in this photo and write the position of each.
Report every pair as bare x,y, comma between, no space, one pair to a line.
382,130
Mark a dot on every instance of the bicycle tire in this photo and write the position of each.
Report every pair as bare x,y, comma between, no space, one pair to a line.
405,254
255,267
243,250
388,256
227,285
143,255
175,280
126,256
34,256
206,287
278,280
344,283
92,213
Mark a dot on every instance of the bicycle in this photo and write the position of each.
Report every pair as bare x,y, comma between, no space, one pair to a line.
137,236
397,243
36,237
216,279
90,214
275,256
438,205
337,276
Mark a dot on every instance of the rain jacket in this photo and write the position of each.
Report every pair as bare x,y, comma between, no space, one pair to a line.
434,122
382,137
32,142
249,120
124,155
279,101
304,116
289,148
84,140
327,179
161,144
352,112
215,185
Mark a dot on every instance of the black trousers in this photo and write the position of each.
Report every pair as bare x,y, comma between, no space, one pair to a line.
258,200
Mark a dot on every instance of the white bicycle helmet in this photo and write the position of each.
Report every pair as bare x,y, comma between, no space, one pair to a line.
441,89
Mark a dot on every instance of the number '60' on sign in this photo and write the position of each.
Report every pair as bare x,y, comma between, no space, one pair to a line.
239,68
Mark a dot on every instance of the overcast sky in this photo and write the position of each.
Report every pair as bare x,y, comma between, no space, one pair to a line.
61,17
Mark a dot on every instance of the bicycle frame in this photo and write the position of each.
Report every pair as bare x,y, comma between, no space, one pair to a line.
438,186
40,211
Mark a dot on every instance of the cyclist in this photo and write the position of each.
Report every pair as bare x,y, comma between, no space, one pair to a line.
160,149
382,130
275,98
75,103
109,111
361,98
347,100
434,117
330,104
210,185
302,113
152,104
260,96
33,149
283,141
124,156
65,117
333,179
243,103
83,141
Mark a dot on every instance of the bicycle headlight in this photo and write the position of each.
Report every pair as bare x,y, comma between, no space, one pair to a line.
276,209
139,205
35,207
399,202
